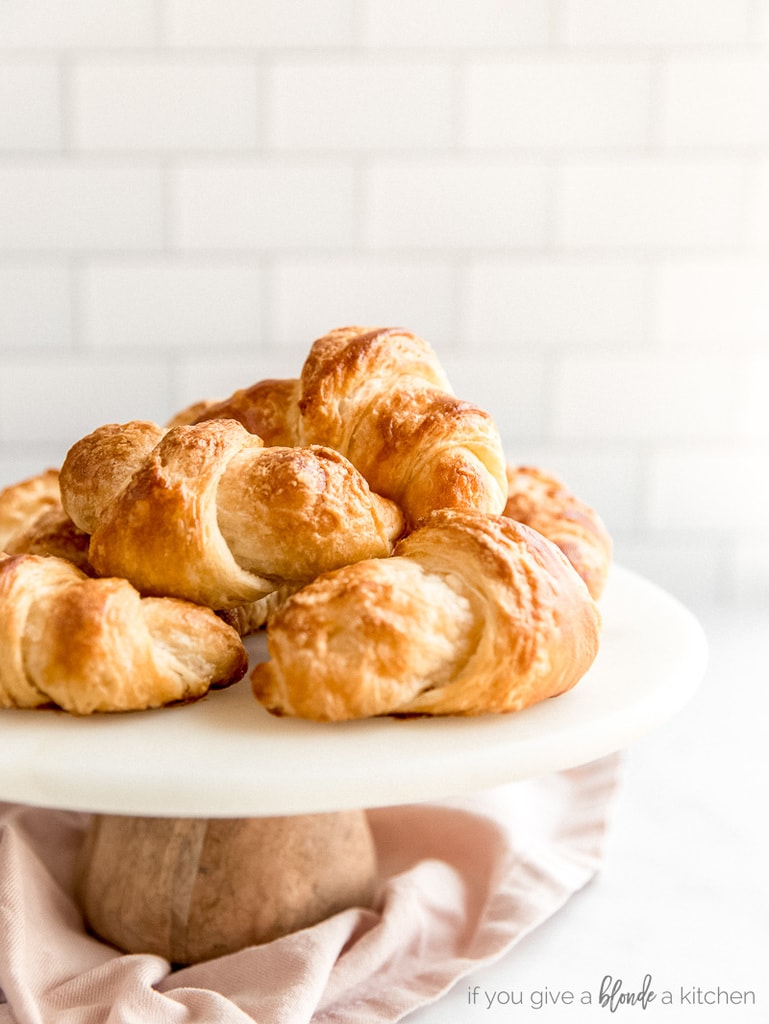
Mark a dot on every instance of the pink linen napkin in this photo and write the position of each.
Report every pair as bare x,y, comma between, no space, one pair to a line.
461,882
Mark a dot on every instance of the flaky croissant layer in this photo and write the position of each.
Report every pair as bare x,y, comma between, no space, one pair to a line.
22,502
32,521
542,500
472,614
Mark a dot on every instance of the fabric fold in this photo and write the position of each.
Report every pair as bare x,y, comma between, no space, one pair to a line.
461,881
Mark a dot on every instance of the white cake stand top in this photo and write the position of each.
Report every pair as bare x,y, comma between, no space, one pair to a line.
225,756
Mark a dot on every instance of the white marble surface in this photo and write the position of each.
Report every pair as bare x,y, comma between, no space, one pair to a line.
683,896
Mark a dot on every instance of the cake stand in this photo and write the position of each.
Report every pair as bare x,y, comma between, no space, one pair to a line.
225,825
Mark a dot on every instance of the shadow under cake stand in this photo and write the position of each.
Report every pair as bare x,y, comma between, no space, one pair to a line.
216,825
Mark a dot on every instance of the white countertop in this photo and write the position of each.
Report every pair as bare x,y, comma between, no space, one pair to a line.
683,896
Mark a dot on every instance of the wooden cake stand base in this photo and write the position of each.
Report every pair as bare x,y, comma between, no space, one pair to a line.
190,889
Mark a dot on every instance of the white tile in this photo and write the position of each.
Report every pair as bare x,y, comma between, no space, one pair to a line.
170,304
508,386
719,488
688,566
761,30
455,23
58,399
35,307
65,205
717,302
421,203
610,479
757,202
21,461
753,414
716,101
209,376
63,24
555,302
751,570
654,201
161,104
257,205
655,22
360,104
261,24
29,107
647,396
556,103
309,297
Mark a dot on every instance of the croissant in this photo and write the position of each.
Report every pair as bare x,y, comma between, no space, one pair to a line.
192,413
21,503
543,501
473,613
89,645
207,513
249,618
33,521
380,397
101,464
269,408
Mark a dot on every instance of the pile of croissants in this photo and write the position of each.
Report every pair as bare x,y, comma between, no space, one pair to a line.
361,513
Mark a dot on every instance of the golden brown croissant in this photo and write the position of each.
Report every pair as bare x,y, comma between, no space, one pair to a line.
473,613
543,501
192,413
91,645
380,397
33,521
269,408
209,514
101,464
22,503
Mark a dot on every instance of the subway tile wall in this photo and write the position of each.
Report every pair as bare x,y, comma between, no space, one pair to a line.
568,198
